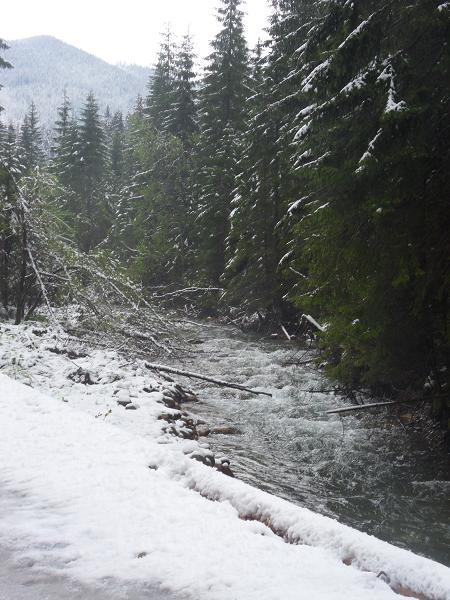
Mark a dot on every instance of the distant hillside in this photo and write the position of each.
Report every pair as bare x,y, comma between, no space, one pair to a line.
45,66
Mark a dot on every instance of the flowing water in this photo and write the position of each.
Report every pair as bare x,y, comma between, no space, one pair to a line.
365,470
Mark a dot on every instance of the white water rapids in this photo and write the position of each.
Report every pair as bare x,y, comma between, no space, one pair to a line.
366,470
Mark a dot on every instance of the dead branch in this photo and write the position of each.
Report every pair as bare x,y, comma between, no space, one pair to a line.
192,290
284,330
313,322
347,409
218,382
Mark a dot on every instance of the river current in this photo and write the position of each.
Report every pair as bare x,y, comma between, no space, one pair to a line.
366,470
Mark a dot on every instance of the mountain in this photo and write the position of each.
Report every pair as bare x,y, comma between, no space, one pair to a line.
44,66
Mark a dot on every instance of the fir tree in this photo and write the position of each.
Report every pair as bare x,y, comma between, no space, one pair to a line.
3,63
92,155
183,113
162,86
222,121
31,140
371,152
117,142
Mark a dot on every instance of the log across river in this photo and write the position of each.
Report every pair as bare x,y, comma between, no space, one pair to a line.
366,470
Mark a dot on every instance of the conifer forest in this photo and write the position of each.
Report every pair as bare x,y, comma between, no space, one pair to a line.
225,300
309,175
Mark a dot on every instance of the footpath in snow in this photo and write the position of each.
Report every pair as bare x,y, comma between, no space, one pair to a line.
99,493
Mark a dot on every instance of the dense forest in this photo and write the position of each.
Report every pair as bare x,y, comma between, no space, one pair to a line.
310,174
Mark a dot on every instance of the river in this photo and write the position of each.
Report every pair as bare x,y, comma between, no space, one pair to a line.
365,470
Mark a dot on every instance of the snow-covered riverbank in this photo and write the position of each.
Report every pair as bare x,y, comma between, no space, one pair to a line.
97,492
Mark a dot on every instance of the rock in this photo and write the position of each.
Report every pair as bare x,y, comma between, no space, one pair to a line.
205,457
81,376
225,430
132,406
39,332
150,389
169,417
203,430
223,466
123,402
170,402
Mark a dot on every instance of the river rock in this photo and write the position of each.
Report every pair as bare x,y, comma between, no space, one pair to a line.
132,406
223,466
123,402
203,430
225,430
82,376
204,456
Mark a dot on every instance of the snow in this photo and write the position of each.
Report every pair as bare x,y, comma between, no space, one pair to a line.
355,84
392,105
355,33
320,69
97,492
368,154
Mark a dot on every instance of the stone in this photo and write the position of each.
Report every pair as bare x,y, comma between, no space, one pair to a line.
225,430
132,406
203,430
123,402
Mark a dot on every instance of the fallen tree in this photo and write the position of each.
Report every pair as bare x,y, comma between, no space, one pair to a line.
218,382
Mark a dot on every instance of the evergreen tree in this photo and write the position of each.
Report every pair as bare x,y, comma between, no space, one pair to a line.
183,113
3,63
222,121
372,153
9,167
63,122
94,215
117,143
31,140
252,269
162,86
65,160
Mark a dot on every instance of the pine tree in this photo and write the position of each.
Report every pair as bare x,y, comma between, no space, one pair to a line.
3,63
183,121
9,167
258,272
162,86
94,215
31,140
117,143
65,163
222,121
371,151
251,272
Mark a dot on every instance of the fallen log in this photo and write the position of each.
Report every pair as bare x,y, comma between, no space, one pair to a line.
312,322
284,330
362,407
219,382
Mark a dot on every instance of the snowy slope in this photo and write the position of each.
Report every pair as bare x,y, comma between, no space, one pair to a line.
89,501
45,66
84,503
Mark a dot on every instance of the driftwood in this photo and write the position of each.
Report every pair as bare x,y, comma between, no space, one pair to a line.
362,407
218,382
284,330
313,322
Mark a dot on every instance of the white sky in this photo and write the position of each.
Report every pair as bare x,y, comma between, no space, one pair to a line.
123,30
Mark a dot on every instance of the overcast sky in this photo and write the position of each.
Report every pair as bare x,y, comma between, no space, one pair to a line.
122,30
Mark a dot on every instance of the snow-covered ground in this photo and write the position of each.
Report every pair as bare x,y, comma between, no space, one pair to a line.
101,494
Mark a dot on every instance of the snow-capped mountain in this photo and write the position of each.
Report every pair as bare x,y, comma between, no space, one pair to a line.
44,67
